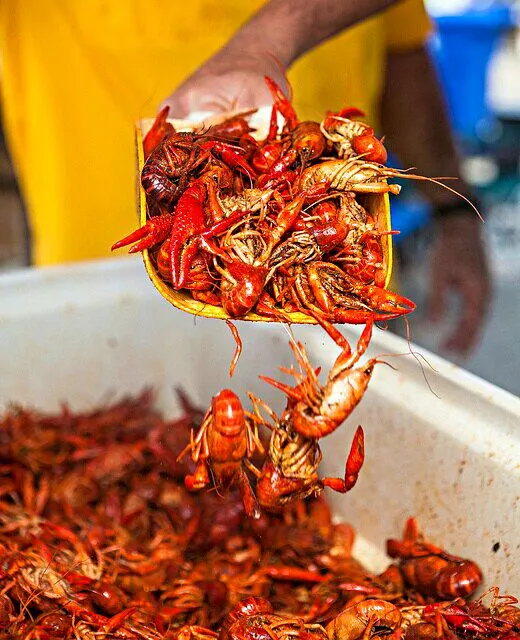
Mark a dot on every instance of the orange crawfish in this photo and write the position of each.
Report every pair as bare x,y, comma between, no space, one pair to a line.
176,155
254,619
362,618
290,471
223,444
324,226
315,410
158,131
179,258
359,175
351,138
324,289
431,570
244,253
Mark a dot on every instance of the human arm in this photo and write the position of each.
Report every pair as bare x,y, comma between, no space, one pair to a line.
267,44
415,121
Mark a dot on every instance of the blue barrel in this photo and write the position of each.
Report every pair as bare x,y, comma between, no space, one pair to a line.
462,50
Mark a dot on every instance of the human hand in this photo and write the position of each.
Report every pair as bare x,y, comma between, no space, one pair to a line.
227,82
459,263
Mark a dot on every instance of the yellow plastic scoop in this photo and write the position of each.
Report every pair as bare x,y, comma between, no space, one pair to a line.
377,205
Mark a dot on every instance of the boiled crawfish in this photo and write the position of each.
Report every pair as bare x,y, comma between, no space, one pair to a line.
223,445
431,570
315,410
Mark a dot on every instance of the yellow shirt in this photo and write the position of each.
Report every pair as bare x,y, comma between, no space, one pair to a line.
77,74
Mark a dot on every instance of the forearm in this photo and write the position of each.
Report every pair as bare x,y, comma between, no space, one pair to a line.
286,29
416,125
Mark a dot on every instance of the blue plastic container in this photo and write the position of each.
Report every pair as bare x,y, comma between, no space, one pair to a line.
462,49
408,215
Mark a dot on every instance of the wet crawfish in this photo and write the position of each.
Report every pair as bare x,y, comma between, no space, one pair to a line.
245,252
254,619
353,138
173,160
224,443
290,472
430,569
323,289
315,411
363,618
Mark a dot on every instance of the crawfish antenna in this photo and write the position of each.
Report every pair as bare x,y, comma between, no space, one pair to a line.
415,354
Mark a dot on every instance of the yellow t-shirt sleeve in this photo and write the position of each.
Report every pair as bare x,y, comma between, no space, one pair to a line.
406,26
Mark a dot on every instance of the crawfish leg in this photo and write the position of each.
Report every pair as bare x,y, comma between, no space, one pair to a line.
200,477
283,105
347,359
248,497
153,232
293,573
160,128
353,465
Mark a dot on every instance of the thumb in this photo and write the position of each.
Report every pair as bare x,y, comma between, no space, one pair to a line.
179,107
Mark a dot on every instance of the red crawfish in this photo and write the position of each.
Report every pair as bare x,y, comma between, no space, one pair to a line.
461,617
308,140
223,445
254,619
181,234
351,138
281,105
159,129
316,410
290,471
232,128
324,289
359,175
323,227
276,157
245,255
270,151
364,618
304,140
338,223
431,570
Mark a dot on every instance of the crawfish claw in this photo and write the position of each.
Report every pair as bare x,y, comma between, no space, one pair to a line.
386,301
153,232
160,128
355,460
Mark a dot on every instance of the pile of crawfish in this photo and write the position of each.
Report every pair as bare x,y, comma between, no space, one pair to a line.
273,225
102,537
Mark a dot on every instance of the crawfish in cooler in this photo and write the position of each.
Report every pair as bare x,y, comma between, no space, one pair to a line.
136,555
431,570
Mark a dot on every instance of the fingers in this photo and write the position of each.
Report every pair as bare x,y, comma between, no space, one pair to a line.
475,300
223,84
436,301
183,105
476,292
459,264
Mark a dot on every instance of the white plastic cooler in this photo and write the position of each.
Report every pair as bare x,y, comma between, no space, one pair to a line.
441,444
